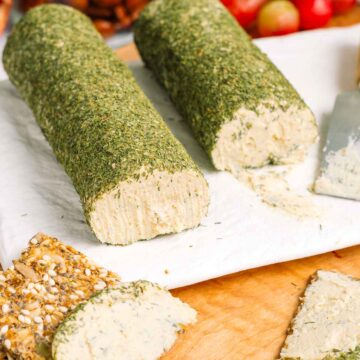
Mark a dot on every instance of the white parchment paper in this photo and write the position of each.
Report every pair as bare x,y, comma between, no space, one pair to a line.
240,231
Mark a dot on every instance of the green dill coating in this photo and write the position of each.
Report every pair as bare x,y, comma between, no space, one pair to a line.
337,355
349,355
209,66
101,126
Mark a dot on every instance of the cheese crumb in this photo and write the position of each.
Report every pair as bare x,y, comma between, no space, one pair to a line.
274,190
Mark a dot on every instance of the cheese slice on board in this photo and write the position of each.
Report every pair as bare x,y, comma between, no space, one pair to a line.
136,321
327,324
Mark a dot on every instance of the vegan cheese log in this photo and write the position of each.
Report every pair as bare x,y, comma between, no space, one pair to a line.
135,321
135,180
241,108
327,325
47,281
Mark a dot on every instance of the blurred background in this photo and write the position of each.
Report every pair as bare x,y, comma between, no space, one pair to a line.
114,18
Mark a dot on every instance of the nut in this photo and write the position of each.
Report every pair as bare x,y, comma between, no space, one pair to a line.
26,271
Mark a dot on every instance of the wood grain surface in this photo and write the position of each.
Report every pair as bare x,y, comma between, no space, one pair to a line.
245,315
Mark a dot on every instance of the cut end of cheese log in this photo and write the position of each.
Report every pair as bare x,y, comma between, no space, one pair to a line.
138,320
241,108
266,136
326,326
159,203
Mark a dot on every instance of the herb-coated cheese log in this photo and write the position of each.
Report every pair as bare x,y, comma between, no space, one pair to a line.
135,180
241,108
135,321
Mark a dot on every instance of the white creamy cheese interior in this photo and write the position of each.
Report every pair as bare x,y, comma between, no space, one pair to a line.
328,319
251,139
138,321
156,204
341,176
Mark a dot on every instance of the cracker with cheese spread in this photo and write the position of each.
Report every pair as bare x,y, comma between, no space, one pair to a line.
45,283
138,320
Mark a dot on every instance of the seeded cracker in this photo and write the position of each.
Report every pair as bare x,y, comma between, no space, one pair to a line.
327,323
241,108
47,281
135,180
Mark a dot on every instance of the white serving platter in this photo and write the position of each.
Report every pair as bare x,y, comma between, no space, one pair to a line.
240,231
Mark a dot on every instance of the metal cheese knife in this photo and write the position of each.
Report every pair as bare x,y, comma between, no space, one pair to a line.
340,167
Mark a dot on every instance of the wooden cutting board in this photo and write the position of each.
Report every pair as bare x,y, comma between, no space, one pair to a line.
245,315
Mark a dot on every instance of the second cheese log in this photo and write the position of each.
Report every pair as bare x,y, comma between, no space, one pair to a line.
241,108
135,180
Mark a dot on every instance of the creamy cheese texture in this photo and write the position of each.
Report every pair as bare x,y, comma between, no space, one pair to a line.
253,139
137,321
274,190
341,175
328,320
156,204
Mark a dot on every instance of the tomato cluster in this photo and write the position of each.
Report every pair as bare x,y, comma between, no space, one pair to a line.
280,17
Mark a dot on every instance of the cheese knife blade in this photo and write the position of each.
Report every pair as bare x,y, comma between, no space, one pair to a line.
340,167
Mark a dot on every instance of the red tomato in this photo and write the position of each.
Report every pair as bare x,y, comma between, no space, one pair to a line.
5,8
227,2
341,6
314,13
278,18
245,11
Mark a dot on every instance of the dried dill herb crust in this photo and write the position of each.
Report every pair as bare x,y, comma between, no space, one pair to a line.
241,108
135,180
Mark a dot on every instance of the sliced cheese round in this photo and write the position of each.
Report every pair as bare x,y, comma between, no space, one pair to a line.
137,321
